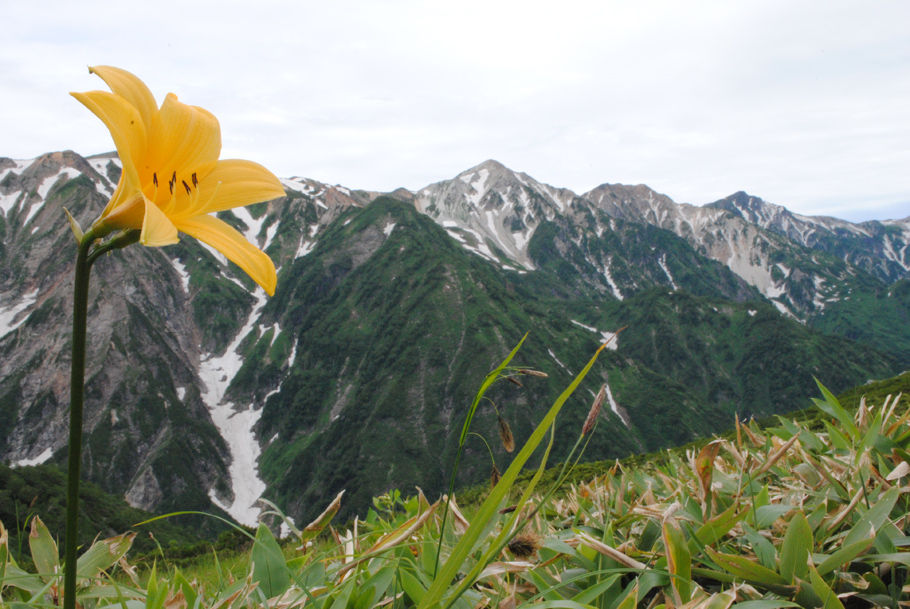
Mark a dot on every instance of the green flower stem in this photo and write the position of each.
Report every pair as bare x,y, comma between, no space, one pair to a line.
84,260
122,239
77,394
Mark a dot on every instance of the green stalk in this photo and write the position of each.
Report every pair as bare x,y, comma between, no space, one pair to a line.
489,380
444,578
77,394
85,257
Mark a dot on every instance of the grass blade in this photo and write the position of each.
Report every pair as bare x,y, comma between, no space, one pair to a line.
488,509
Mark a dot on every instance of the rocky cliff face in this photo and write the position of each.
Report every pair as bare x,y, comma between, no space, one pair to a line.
389,313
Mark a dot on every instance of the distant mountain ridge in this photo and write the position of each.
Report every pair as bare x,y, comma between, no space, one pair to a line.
391,309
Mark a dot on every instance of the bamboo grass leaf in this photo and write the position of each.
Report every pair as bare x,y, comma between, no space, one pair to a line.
547,587
343,597
763,549
103,554
901,470
751,571
612,552
679,561
412,586
898,557
562,604
824,591
704,464
767,514
322,521
391,539
873,519
714,529
630,599
721,600
43,549
831,406
269,567
18,578
796,548
843,555
591,593
776,456
5,557
838,440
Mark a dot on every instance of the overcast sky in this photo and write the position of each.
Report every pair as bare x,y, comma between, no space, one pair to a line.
805,104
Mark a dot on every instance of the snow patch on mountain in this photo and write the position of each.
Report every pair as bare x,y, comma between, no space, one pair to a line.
218,255
65,173
662,261
615,407
818,299
276,331
8,201
184,275
613,287
783,308
304,248
270,235
19,165
293,355
235,426
254,225
11,316
556,359
891,244
104,186
45,455
300,185
608,338
478,183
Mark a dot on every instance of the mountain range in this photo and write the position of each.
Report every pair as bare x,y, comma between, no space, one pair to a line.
202,393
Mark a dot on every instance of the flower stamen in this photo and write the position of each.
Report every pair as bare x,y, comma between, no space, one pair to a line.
186,186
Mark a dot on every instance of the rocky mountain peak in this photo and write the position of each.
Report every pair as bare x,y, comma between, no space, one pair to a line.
492,210
637,203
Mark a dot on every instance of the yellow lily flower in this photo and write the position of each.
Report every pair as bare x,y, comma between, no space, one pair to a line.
172,178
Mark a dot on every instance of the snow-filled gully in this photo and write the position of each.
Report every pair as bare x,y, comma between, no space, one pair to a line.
235,426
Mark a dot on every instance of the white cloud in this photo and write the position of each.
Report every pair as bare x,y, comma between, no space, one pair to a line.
801,103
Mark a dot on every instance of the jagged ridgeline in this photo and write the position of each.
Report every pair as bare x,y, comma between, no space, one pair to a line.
389,312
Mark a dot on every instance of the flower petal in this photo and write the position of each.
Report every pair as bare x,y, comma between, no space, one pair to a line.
157,228
126,214
188,141
125,124
138,212
133,90
234,246
232,183
129,135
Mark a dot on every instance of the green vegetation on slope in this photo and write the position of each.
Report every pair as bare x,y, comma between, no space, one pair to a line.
385,327
879,318
39,490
